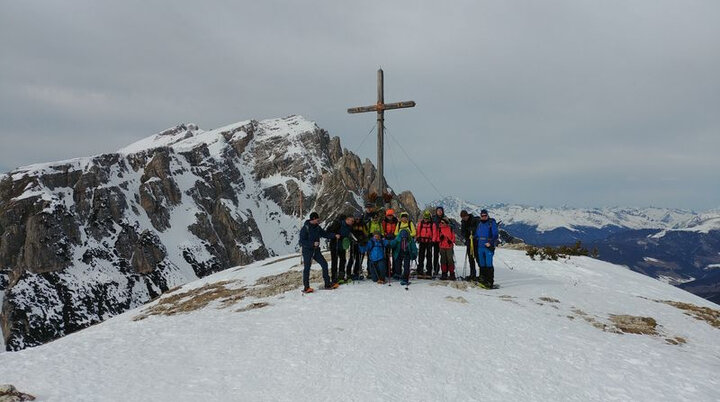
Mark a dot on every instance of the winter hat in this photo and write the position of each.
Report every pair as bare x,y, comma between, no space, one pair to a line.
440,208
314,215
404,214
484,211
426,214
389,212
463,213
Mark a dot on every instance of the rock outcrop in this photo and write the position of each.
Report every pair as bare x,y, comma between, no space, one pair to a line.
85,239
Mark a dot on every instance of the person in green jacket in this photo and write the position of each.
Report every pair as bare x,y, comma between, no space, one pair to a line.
404,251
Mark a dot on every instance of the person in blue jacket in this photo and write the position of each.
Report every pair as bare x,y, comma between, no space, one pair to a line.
310,244
375,248
486,233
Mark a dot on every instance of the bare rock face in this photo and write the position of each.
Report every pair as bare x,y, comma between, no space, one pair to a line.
89,238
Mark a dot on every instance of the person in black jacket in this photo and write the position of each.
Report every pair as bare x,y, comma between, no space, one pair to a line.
467,230
310,244
341,226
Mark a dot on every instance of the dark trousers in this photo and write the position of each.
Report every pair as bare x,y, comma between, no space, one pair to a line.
471,256
337,259
425,252
436,257
376,269
354,261
310,254
403,259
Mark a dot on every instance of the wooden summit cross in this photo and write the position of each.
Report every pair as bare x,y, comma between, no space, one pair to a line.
380,108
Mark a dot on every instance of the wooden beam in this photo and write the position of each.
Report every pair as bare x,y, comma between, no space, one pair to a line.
385,106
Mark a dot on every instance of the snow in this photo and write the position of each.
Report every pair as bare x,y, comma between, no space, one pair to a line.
370,342
546,219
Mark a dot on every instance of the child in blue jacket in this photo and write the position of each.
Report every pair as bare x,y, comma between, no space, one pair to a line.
375,248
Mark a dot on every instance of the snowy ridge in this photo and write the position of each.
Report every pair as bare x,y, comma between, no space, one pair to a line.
119,229
546,218
547,334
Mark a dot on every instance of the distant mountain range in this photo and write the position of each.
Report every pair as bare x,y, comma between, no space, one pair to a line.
677,246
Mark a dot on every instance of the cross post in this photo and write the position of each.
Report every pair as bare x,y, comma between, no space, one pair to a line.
380,107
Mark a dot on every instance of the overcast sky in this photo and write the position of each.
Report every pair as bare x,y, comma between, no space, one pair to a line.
562,102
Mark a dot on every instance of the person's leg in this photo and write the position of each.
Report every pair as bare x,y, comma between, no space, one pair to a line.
342,254
323,264
334,259
421,257
350,261
307,262
471,260
436,258
406,268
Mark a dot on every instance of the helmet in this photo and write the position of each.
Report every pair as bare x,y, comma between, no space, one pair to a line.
389,212
427,214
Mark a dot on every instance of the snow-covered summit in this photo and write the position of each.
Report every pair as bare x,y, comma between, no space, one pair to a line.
185,137
579,329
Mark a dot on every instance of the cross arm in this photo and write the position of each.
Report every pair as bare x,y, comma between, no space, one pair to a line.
381,106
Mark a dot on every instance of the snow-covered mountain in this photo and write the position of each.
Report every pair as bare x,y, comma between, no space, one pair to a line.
578,329
676,246
85,239
546,219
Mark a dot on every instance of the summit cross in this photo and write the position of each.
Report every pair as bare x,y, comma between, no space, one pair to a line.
380,107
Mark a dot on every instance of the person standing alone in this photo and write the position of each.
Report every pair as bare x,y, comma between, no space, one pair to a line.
310,235
487,237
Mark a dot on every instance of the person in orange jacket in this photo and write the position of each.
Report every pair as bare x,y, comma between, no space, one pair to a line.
447,254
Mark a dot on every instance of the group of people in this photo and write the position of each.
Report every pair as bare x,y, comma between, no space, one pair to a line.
390,244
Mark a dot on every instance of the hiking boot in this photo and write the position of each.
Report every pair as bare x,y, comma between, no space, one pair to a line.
332,286
380,282
308,290
444,276
452,276
404,282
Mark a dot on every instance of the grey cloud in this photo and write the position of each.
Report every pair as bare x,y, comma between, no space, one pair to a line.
567,102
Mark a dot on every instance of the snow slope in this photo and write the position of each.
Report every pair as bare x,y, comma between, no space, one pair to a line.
539,337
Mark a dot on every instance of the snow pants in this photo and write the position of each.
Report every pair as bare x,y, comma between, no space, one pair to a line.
487,271
377,270
310,254
403,259
338,259
425,252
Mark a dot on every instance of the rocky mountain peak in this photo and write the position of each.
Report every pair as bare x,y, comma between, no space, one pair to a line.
85,239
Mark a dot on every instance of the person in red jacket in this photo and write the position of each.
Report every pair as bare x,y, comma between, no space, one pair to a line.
389,224
426,232
447,242
439,214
